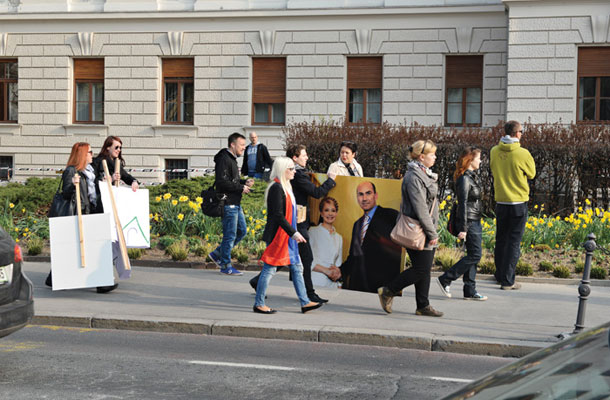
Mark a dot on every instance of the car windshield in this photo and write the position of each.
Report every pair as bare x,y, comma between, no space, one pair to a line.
578,368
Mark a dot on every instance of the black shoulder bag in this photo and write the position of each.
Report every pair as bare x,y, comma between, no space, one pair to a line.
213,204
60,207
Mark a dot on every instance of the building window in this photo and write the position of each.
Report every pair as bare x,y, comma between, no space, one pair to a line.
89,91
364,76
6,168
593,84
178,91
176,165
8,91
464,90
268,91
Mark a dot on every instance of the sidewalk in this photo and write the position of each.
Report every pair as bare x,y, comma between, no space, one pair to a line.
510,323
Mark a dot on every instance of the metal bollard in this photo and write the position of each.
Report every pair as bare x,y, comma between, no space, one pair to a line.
584,290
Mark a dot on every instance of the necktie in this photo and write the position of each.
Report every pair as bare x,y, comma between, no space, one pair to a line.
365,226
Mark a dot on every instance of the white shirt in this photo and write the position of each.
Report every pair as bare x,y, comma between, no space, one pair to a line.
327,250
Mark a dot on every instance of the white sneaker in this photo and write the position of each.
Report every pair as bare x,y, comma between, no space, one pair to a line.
445,289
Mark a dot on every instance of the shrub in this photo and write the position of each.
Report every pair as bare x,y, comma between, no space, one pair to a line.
524,268
598,273
240,254
545,266
166,241
561,271
487,266
135,254
259,249
179,250
202,249
446,258
579,267
35,245
542,247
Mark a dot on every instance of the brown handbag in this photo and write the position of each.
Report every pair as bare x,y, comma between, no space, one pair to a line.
408,232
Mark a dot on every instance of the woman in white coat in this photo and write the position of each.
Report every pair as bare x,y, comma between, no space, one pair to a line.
346,165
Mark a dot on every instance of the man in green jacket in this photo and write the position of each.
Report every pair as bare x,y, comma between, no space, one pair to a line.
511,167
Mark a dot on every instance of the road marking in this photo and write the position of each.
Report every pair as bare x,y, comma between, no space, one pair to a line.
239,365
444,379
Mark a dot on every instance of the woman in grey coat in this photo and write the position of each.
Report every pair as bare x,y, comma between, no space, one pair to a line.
419,201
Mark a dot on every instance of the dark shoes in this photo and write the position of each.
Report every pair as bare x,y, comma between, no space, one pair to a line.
428,311
106,289
386,297
259,311
254,282
312,307
515,286
49,280
317,299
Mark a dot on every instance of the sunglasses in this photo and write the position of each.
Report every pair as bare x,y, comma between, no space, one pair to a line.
292,169
117,147
90,152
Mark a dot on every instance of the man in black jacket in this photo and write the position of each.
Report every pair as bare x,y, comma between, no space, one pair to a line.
374,259
303,188
228,182
256,158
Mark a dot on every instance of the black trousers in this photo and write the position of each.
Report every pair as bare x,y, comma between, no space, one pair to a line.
467,265
306,259
418,274
510,225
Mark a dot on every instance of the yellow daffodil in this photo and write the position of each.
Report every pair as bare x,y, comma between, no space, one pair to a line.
183,198
264,212
167,196
158,199
17,240
207,237
25,234
180,217
556,246
150,216
550,224
199,200
11,205
584,225
174,202
535,206
23,210
448,197
16,229
588,202
35,221
27,229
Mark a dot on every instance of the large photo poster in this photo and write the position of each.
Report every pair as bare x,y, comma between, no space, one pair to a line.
133,209
370,258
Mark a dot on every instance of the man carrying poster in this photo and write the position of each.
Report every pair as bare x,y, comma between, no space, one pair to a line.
374,259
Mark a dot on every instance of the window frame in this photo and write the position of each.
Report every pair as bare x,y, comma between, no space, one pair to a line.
90,77
472,76
11,168
168,176
273,92
364,73
592,65
4,85
180,71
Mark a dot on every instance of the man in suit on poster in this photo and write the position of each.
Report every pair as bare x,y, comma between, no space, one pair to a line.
374,259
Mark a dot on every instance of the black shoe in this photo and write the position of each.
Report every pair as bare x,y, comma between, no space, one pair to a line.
49,280
386,297
309,308
106,289
258,310
254,282
317,299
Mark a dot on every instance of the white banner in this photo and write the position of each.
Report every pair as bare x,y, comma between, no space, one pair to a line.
133,208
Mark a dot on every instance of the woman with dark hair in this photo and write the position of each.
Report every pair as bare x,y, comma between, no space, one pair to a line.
346,165
326,246
468,223
79,172
111,151
419,201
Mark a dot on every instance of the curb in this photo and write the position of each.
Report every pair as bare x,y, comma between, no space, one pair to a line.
322,334
254,267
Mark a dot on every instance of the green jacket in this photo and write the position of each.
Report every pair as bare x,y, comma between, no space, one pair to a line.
511,167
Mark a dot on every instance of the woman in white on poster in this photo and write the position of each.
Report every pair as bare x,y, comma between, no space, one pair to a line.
327,246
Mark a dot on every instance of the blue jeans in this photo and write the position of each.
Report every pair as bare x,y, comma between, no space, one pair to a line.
233,230
297,280
510,225
467,265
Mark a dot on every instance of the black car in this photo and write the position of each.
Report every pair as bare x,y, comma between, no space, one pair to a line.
576,368
16,291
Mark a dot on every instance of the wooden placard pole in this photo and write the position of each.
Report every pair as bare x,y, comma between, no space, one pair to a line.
117,168
117,222
80,225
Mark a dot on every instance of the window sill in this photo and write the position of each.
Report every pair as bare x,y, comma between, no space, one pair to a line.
86,129
175,130
10,128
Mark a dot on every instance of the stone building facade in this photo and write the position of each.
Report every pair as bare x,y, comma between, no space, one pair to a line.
518,60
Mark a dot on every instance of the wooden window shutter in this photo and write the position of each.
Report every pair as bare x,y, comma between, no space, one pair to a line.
89,68
594,61
269,80
364,72
178,68
464,71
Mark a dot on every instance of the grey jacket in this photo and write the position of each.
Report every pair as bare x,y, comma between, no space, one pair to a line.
419,193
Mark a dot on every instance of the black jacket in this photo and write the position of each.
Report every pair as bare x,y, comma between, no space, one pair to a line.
303,188
263,159
276,214
374,262
227,177
68,189
468,194
98,168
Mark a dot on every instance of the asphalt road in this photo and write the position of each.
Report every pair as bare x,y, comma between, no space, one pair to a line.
44,362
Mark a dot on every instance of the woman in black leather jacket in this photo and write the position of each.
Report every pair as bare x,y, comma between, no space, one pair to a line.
468,222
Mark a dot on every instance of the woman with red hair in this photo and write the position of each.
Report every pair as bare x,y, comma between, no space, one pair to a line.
468,223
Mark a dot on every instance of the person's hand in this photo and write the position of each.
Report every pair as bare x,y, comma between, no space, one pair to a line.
134,186
249,182
332,175
433,242
335,273
246,189
116,176
299,238
462,235
76,179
